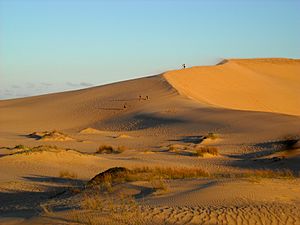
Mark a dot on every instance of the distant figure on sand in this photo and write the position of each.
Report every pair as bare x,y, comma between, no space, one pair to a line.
183,65
140,98
125,106
147,97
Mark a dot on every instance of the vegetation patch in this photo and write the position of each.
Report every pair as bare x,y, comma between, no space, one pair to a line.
260,173
121,174
108,149
50,136
203,150
67,174
211,136
41,148
290,141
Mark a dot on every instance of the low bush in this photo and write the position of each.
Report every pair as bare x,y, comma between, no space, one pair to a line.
211,135
200,151
67,174
108,149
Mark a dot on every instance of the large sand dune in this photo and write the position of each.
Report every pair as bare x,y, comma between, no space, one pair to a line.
269,85
246,109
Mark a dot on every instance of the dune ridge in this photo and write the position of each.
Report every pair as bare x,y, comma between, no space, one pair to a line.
268,85
251,175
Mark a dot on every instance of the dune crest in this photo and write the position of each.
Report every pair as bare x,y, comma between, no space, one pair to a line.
269,85
50,136
90,130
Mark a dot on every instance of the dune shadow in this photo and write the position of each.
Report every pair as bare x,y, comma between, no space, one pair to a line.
140,122
258,158
149,121
267,148
190,139
56,180
124,100
111,109
275,163
35,137
26,204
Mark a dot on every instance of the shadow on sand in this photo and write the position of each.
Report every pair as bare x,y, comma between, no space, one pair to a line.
26,204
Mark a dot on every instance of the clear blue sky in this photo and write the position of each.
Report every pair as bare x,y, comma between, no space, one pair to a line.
55,45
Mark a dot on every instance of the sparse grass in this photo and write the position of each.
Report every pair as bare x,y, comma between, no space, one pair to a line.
201,151
27,150
290,141
173,148
91,202
211,135
147,173
105,149
122,216
121,149
67,174
108,149
259,174
118,175
50,136
154,174
267,173
108,210
159,184
20,147
46,209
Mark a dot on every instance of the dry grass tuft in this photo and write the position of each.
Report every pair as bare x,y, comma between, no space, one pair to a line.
22,147
108,149
67,174
211,135
116,175
266,173
147,173
121,149
174,148
91,202
105,149
201,151
50,136
259,174
290,141
159,185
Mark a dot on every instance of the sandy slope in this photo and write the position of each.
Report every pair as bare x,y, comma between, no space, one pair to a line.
251,104
258,85
269,85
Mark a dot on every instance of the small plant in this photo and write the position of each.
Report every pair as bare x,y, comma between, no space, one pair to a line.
172,148
67,174
120,149
147,173
201,151
91,202
107,149
290,141
159,184
266,173
20,147
256,175
46,209
211,135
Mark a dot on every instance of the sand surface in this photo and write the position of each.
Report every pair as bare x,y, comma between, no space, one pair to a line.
268,85
246,109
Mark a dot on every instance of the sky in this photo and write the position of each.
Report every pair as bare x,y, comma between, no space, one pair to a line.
57,45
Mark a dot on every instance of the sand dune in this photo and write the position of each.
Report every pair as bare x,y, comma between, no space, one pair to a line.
91,131
269,85
245,109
